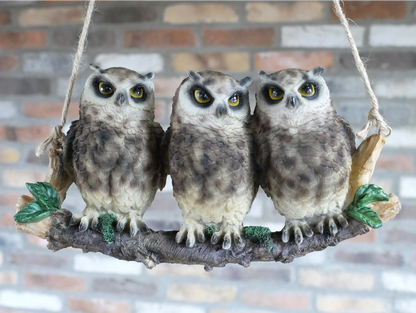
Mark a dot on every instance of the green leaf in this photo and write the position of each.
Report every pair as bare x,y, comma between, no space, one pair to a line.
366,215
367,194
31,213
358,209
46,196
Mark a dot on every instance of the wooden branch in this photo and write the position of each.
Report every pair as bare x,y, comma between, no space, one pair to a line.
160,247
153,247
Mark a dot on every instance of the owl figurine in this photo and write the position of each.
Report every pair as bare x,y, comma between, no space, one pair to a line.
305,151
112,152
209,155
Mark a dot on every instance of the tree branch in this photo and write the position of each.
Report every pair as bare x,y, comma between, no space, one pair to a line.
160,247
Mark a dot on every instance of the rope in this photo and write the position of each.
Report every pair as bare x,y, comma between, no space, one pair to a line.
374,119
57,137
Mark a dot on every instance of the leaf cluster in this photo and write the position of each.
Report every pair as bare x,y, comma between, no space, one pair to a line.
47,201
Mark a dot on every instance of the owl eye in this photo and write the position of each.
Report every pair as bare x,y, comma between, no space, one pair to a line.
105,89
234,100
201,96
275,93
307,90
137,92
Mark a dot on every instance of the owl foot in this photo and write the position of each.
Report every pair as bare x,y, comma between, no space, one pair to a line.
298,229
228,232
330,221
192,230
135,222
88,217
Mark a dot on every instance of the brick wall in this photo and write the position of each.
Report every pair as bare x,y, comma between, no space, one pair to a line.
372,273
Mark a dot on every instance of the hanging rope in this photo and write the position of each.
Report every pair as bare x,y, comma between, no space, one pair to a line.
374,119
56,139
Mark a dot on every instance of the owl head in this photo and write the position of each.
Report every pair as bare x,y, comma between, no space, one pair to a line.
292,95
118,89
213,97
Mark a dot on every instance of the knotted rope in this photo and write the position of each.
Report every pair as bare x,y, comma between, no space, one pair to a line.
57,137
374,119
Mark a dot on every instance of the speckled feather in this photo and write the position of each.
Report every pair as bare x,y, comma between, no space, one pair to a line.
304,150
211,160
113,151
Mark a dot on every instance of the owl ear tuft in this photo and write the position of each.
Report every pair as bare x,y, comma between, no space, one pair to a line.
96,68
263,75
318,70
194,76
245,82
149,76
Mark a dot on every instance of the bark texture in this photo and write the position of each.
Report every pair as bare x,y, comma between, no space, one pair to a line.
160,247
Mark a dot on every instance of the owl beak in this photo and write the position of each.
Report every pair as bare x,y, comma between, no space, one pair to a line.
293,101
221,111
120,99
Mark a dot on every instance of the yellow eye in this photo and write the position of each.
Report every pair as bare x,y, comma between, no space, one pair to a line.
136,92
234,100
201,96
275,94
105,89
307,90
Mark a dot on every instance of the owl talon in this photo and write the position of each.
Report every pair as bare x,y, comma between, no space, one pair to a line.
73,221
333,229
341,219
83,225
307,231
201,237
94,223
120,226
320,227
190,242
215,239
227,242
133,229
298,236
238,241
285,236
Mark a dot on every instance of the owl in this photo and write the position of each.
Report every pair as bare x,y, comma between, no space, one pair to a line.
209,155
305,151
112,152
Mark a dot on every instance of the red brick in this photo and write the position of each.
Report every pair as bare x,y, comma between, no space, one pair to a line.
238,37
31,259
159,38
5,17
293,301
275,61
3,132
370,258
396,162
58,282
374,9
8,278
30,133
98,306
8,63
51,16
50,109
8,199
368,237
6,219
221,61
22,40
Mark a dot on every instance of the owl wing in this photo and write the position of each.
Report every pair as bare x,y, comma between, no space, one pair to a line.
349,131
164,156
